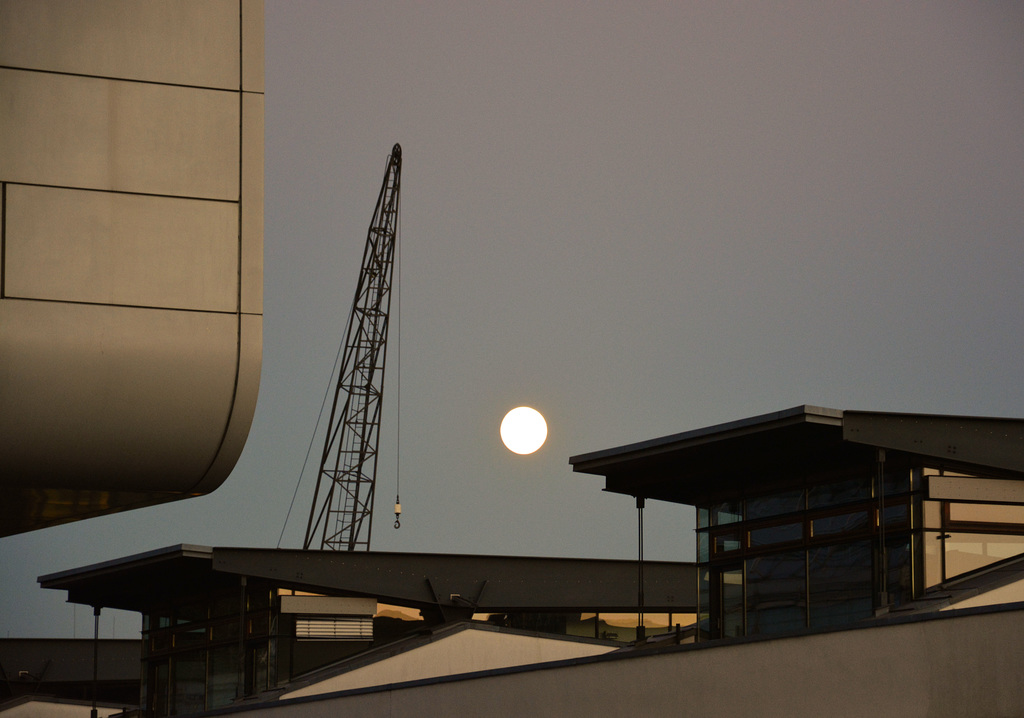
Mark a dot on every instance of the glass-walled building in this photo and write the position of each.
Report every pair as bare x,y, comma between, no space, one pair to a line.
222,625
813,518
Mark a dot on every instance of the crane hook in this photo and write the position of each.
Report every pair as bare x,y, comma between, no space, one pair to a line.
398,512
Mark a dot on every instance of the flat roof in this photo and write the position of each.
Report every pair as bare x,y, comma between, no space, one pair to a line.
754,453
456,584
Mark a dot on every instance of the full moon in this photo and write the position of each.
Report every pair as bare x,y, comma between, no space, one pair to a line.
523,430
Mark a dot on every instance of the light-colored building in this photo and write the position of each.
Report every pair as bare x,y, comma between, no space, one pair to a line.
131,261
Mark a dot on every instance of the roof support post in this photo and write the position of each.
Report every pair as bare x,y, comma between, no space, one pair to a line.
640,632
95,658
883,556
240,688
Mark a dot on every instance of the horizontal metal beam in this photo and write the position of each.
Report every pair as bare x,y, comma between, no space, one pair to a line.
480,583
993,443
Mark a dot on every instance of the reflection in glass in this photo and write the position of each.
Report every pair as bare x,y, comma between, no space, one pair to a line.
840,523
223,676
728,541
731,591
897,482
775,504
160,688
899,580
703,544
727,512
967,552
191,637
839,492
776,600
259,673
188,680
932,545
704,603
839,583
703,517
780,533
897,515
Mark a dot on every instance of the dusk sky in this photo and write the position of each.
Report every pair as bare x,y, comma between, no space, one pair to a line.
639,218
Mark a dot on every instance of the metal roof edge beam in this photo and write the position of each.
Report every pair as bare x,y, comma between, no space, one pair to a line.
987,442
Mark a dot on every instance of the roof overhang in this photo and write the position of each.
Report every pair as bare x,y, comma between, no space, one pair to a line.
755,453
450,582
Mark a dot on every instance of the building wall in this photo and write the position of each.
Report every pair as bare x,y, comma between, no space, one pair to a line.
45,707
949,666
131,260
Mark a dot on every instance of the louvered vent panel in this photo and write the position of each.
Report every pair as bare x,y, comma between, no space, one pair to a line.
334,628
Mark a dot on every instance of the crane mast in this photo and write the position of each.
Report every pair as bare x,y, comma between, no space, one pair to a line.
341,516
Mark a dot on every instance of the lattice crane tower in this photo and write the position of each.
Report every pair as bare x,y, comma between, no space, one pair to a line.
341,516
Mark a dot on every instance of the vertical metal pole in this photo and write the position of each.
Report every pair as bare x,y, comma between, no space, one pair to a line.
240,688
641,634
95,658
883,563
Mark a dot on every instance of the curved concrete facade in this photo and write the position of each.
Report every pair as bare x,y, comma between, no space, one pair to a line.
131,260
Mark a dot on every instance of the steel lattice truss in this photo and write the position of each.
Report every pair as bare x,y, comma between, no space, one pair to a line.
341,516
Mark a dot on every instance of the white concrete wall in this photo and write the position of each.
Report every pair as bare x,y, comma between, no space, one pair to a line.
1010,593
53,709
131,271
464,652
947,667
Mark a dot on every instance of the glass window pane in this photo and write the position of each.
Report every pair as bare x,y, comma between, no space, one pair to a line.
224,631
775,504
899,580
932,558
987,513
190,612
897,515
188,678
258,597
839,492
225,604
731,591
192,637
839,583
158,697
223,676
897,482
727,541
780,533
776,598
704,604
932,514
967,552
727,512
259,624
703,517
256,678
160,641
840,523
703,547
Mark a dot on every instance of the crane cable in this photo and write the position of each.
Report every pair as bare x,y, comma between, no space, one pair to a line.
398,362
327,393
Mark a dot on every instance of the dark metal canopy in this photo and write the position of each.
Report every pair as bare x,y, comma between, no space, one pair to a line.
756,453
450,582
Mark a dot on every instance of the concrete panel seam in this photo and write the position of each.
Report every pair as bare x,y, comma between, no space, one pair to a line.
122,191
130,80
127,306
